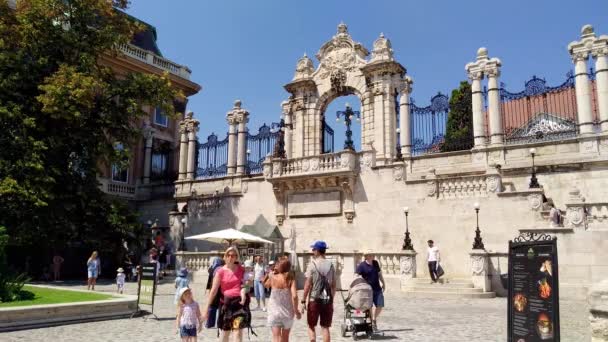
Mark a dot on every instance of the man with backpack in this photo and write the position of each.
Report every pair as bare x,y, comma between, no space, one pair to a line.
370,270
319,292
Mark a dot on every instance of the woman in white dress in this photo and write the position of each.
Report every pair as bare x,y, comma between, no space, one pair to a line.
283,301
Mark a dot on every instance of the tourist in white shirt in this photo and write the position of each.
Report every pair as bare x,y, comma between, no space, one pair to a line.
259,271
432,259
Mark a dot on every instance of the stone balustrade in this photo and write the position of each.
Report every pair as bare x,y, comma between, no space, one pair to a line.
116,188
465,186
154,60
195,261
340,162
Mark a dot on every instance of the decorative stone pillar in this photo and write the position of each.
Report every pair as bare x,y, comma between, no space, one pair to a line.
241,163
177,230
231,162
495,117
598,309
148,136
580,51
407,268
348,186
405,118
183,148
600,53
279,193
237,150
288,136
480,275
191,128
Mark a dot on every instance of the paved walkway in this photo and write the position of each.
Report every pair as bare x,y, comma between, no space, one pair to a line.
424,320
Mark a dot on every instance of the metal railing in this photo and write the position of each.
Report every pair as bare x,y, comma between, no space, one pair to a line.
212,158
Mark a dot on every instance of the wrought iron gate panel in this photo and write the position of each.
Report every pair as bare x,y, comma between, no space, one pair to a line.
259,146
428,125
328,138
212,158
539,112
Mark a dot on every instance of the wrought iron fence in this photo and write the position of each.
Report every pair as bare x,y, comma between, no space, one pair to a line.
259,146
539,112
212,158
328,138
428,125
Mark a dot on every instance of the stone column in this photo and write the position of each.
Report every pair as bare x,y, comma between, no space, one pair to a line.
495,117
478,116
407,268
288,136
148,135
183,151
190,172
583,93
480,270
241,163
598,308
601,84
405,118
231,162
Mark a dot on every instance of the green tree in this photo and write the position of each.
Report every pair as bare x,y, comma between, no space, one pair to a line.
459,129
62,110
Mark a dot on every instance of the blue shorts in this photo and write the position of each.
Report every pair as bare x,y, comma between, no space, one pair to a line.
92,274
378,299
187,331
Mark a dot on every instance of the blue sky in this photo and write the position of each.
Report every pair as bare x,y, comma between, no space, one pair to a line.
248,49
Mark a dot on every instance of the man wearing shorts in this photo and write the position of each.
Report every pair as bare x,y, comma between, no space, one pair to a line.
319,292
370,270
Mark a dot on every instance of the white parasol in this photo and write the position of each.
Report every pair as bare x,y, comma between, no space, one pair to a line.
229,235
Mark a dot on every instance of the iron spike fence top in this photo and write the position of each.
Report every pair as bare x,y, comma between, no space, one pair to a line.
536,86
439,103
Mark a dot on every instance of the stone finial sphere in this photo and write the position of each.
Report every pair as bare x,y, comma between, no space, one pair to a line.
482,52
587,29
237,104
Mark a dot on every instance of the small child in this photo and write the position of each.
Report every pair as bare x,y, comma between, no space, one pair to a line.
181,282
120,280
189,316
247,281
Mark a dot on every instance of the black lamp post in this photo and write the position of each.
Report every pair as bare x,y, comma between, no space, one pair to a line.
533,181
247,163
279,146
478,243
407,242
399,156
182,243
348,117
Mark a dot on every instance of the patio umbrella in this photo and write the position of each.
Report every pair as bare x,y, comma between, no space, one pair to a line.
229,235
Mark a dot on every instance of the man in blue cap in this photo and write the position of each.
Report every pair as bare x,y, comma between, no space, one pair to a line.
319,292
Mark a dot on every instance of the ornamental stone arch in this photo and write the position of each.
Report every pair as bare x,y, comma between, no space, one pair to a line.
346,68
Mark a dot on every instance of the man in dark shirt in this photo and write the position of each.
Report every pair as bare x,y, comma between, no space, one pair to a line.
370,270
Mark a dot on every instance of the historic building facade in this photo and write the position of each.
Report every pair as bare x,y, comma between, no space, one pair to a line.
355,200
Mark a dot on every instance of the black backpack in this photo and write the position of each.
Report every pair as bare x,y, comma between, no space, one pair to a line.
326,295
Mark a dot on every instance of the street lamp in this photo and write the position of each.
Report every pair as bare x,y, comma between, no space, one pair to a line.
407,242
247,165
398,156
478,243
533,181
279,146
182,243
348,117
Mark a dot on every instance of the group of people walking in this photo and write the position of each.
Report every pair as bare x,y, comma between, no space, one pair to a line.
228,298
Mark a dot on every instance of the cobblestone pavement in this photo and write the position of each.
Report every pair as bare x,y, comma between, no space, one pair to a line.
461,320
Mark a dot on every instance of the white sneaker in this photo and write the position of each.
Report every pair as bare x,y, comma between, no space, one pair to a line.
264,309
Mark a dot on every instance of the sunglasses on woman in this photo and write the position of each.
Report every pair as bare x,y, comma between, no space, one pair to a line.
231,255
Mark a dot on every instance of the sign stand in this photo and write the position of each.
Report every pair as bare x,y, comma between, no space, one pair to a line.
146,290
533,303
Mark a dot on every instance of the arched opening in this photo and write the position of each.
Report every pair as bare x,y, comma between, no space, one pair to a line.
338,123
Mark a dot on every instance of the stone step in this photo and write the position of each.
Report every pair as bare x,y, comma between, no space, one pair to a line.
460,281
439,288
447,285
445,294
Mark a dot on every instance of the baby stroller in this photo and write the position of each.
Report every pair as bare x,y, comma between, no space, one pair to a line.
357,309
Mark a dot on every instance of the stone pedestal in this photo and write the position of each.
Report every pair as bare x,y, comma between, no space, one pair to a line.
407,268
480,269
598,308
177,229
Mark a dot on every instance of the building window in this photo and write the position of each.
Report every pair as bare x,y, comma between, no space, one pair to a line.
160,118
120,172
161,159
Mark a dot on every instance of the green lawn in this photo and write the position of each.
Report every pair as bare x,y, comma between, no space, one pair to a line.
43,295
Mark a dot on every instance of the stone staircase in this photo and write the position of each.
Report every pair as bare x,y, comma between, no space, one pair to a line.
448,288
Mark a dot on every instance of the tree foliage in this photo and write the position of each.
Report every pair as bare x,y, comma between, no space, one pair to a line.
62,110
459,129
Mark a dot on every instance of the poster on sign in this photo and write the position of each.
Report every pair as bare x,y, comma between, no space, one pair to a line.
533,314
